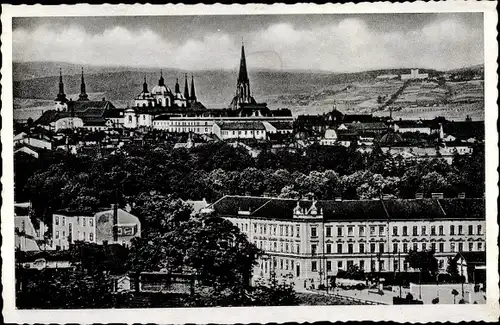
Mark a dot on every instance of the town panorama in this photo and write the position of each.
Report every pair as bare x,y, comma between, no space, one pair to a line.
301,188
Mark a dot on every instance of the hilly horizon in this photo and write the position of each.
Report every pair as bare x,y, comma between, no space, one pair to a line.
214,88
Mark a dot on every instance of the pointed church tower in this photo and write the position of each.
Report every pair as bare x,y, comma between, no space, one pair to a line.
193,92
61,96
177,86
243,94
161,82
145,86
83,93
186,92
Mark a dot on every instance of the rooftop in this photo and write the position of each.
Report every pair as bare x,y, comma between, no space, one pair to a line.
395,209
250,125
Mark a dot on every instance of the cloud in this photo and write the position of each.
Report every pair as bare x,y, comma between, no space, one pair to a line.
348,45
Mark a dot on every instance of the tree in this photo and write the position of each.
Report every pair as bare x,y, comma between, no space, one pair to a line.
273,293
452,267
424,261
454,292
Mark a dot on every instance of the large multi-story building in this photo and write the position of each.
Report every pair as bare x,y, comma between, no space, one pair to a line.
310,241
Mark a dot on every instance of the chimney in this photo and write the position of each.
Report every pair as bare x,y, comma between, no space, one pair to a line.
419,195
461,195
338,198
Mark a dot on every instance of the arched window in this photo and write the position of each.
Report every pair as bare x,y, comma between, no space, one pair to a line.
130,119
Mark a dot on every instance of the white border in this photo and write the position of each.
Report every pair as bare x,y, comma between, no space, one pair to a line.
452,313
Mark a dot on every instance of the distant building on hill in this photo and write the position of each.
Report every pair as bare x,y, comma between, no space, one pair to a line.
414,74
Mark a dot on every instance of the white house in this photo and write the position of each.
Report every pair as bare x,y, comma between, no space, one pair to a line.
240,130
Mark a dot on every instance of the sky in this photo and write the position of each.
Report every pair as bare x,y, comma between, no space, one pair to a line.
333,42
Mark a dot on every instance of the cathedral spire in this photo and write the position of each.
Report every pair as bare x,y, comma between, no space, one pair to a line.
83,92
61,96
193,92
186,92
177,86
243,95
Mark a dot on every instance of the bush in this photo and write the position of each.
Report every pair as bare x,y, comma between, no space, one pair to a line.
321,287
360,286
435,300
462,301
409,296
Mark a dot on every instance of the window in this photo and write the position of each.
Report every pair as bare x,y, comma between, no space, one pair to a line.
471,230
405,231
57,221
350,263
452,230
396,265
281,247
328,248
255,228
381,247
91,236
372,265
441,264
471,247
362,248
362,265
460,247
313,232
339,231
281,231
479,230
381,230
313,249
298,231
286,231
452,247
265,229
372,248
328,265
460,230
84,221
286,247
350,231
382,265
361,230
479,246
57,234
350,248
328,231
423,229
433,247
63,221
424,246
405,248
281,264
64,234
441,230
314,266
394,231
415,246
433,230
339,265
441,247
275,246
415,231
395,247
339,248
372,231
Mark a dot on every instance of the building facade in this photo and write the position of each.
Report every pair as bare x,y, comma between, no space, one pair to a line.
310,241
68,227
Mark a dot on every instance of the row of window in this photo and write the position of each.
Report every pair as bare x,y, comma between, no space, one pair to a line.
373,265
79,236
244,132
380,248
380,230
274,230
282,247
84,221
